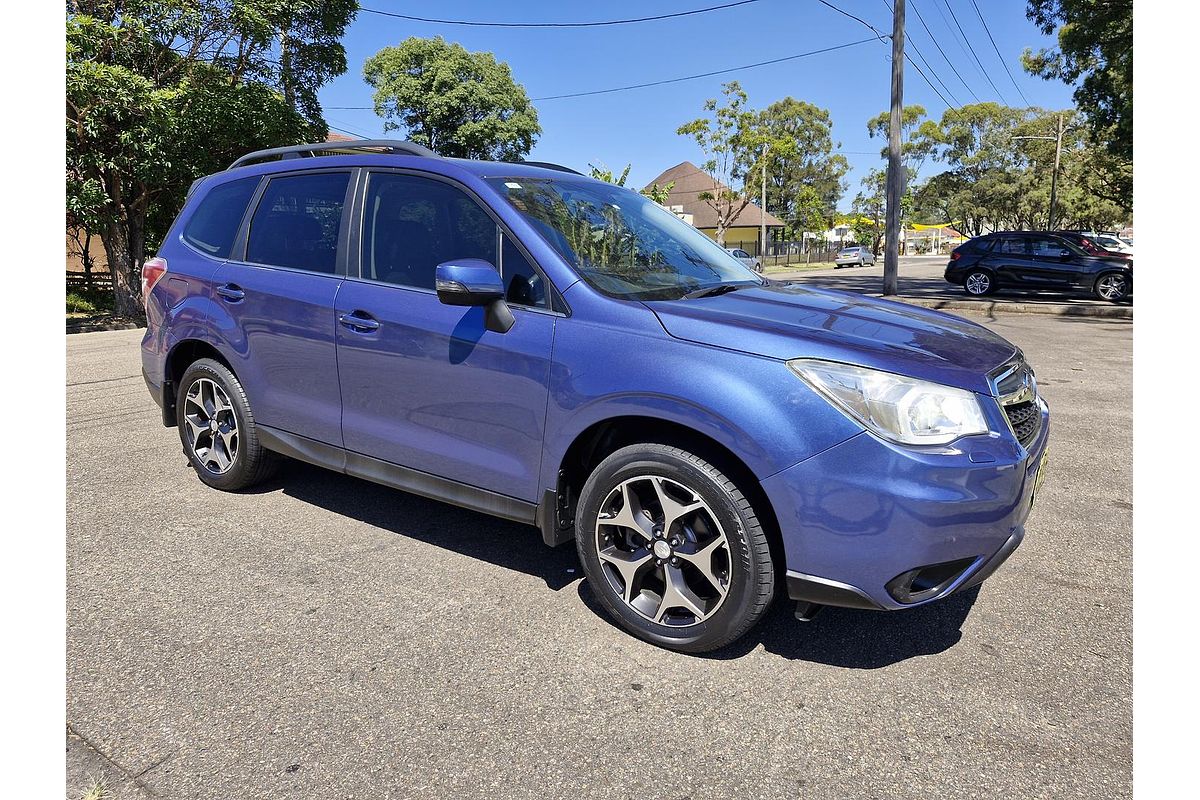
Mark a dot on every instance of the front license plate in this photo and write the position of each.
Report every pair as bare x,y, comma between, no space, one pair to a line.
1039,475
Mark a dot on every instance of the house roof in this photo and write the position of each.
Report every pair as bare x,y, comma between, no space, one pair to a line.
337,137
690,181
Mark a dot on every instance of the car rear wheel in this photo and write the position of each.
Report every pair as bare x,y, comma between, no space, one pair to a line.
1112,286
979,282
673,549
217,428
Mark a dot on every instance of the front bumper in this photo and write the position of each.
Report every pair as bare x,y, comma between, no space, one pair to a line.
869,524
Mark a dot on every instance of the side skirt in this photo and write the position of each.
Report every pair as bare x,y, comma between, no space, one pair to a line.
397,477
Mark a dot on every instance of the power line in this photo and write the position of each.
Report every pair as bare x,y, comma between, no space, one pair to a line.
921,72
705,74
938,45
975,55
662,82
958,40
596,24
912,43
1003,63
883,38
880,36
344,130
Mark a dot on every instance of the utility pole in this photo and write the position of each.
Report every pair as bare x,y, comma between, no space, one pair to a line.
1054,175
762,212
895,177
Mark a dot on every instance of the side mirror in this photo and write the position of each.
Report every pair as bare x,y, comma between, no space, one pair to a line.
474,282
1064,254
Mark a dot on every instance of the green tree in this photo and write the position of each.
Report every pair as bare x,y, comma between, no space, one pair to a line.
918,139
998,177
455,102
804,175
1095,51
658,194
867,219
160,92
730,141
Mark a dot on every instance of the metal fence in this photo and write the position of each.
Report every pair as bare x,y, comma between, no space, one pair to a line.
780,254
98,280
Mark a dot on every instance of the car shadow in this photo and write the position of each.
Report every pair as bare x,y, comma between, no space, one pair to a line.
844,637
837,637
506,544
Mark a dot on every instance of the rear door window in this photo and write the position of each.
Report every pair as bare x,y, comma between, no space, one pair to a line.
298,222
1045,247
215,222
1011,246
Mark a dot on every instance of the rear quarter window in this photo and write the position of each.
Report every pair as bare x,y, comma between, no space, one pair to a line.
214,224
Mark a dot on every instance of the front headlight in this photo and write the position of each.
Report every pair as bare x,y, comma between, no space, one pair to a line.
904,410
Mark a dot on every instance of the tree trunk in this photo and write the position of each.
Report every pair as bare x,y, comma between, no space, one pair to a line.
86,259
115,237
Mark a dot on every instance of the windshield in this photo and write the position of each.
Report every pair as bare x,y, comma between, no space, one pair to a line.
621,243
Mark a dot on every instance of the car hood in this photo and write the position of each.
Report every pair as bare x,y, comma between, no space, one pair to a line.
787,321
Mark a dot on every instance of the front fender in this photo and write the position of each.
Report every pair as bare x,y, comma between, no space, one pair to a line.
754,406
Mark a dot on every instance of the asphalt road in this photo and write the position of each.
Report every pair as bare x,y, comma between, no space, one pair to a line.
922,278
323,637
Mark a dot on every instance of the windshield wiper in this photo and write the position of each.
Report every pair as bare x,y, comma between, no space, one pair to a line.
712,291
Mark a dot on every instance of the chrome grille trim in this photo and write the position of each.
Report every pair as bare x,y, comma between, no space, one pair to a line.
1015,389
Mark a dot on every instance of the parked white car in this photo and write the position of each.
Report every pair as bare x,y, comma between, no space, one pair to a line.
744,257
854,256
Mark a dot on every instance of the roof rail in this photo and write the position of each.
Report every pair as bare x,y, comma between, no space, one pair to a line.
548,165
395,146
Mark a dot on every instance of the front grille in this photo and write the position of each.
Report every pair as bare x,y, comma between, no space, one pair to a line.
1026,421
1015,377
1016,389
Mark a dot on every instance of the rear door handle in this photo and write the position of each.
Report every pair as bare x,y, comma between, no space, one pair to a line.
359,322
231,292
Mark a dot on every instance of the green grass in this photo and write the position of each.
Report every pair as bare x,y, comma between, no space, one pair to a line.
98,790
84,301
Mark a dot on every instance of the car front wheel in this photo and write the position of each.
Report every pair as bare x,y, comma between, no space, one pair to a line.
673,549
217,428
1112,286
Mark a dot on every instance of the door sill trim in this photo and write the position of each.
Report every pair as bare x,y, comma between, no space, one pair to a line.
397,477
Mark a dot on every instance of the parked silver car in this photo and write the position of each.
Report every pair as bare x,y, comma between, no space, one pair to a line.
855,257
744,257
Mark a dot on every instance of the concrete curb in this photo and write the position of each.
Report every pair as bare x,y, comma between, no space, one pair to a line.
992,306
93,325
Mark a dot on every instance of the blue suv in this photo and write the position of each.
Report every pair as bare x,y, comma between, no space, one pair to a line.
533,344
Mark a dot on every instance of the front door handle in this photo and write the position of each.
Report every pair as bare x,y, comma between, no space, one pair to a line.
231,292
359,322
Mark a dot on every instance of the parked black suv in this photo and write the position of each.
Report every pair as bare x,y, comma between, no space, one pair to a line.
1037,260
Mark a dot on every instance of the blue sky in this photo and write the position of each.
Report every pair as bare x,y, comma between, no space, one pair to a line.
638,126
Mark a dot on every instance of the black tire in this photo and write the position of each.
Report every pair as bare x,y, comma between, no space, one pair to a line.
1111,286
982,277
749,571
251,462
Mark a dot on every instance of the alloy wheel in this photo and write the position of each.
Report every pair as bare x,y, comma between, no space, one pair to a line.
978,283
663,551
211,426
1111,287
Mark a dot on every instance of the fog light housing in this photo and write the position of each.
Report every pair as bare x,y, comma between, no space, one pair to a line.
929,581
